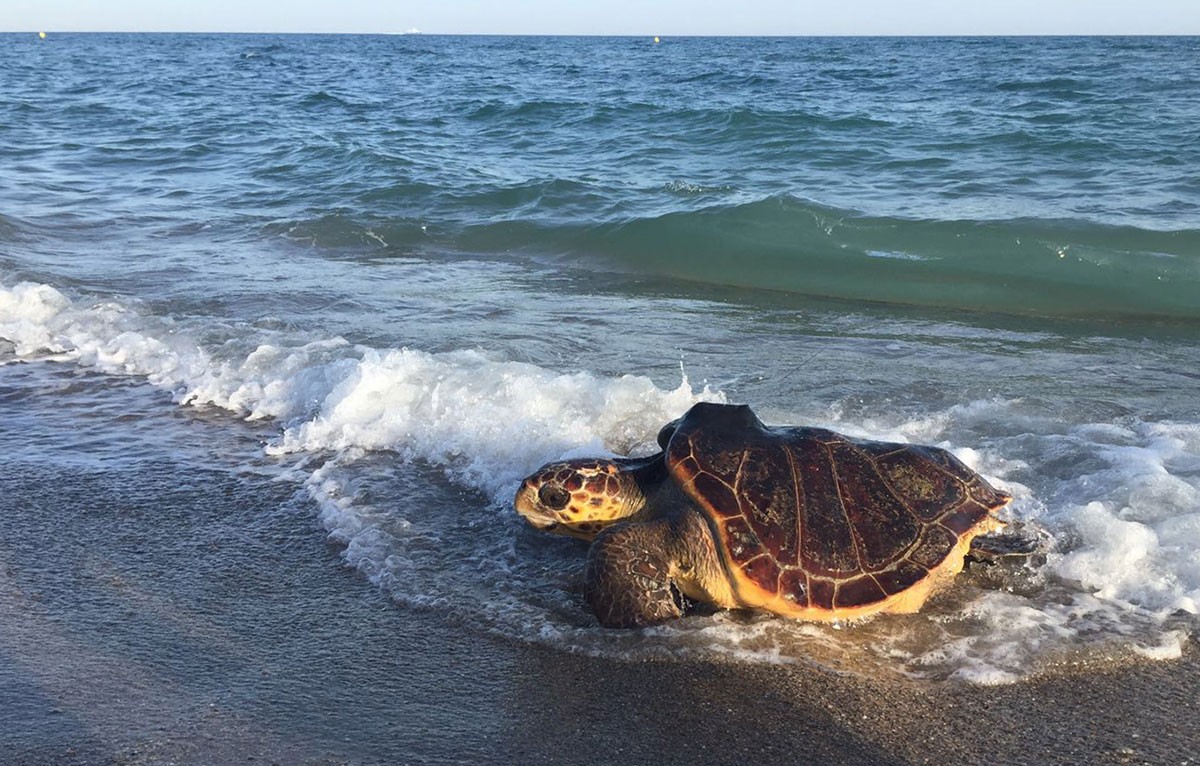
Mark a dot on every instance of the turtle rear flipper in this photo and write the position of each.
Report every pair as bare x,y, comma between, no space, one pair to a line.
1017,543
1009,561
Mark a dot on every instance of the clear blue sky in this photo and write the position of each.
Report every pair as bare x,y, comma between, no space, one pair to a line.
635,17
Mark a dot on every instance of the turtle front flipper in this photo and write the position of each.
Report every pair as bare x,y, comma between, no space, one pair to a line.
629,578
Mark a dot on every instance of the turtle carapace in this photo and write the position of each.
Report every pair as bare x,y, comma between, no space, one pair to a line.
802,522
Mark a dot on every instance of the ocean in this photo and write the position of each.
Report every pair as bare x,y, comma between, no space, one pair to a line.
374,281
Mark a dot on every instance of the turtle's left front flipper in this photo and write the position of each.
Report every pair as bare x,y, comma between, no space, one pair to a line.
628,581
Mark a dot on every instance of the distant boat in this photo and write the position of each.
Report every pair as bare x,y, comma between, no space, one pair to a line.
412,31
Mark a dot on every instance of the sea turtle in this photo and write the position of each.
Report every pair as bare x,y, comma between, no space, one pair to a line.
802,522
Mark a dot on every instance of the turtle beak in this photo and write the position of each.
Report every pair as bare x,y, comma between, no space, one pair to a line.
526,504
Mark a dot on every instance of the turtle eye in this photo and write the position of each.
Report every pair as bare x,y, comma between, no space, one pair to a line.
554,497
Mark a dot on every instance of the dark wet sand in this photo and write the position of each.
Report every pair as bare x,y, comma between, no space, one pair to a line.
224,635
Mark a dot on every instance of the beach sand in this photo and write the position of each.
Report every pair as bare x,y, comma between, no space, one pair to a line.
150,624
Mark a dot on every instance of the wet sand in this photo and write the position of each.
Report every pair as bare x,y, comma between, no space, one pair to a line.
142,623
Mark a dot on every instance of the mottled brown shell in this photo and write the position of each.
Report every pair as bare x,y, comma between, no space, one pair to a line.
820,520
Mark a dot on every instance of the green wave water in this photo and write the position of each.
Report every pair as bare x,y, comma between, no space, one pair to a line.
1030,267
1032,177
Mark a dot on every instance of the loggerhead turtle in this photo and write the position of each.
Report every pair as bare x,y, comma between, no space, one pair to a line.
802,522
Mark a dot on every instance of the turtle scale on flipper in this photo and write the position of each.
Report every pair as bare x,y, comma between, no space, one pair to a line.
802,522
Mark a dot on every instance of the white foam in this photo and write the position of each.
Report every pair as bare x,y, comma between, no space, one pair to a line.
1169,647
487,420
492,421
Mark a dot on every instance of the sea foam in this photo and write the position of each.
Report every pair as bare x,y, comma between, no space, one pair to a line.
488,420
494,420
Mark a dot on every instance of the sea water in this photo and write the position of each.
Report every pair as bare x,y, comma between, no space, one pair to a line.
415,268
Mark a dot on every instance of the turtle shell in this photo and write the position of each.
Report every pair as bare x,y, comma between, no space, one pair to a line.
811,523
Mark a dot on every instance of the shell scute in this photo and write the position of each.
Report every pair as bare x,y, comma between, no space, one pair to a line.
880,449
743,543
717,494
793,586
964,517
987,495
820,593
858,592
722,462
928,489
901,577
934,545
762,571
827,545
883,526
769,501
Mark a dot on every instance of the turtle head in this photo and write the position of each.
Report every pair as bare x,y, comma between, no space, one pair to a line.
580,497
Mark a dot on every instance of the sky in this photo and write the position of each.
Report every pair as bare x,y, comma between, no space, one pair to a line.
616,17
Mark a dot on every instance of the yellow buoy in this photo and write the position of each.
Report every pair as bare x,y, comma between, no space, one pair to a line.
656,39
42,35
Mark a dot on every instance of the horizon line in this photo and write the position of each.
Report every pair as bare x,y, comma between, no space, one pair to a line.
406,33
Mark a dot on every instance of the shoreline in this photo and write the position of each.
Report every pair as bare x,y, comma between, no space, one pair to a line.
507,703
300,660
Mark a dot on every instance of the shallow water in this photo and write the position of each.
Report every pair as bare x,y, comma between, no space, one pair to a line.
414,269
